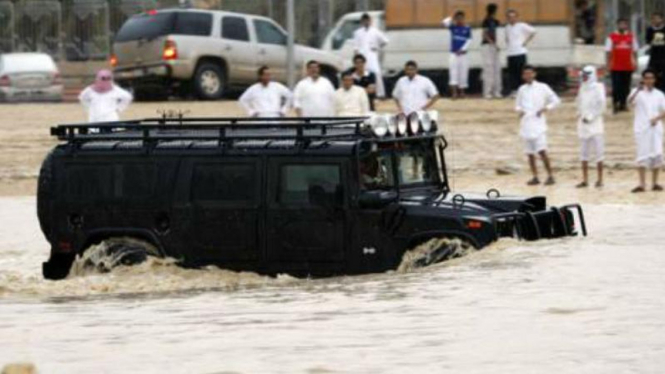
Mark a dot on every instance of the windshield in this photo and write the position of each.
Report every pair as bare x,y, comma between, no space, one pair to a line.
416,166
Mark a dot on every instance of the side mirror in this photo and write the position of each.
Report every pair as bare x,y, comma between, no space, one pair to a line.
376,199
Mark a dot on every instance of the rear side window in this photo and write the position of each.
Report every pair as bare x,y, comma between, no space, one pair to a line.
233,183
307,184
89,182
196,24
146,27
268,33
137,181
235,28
151,26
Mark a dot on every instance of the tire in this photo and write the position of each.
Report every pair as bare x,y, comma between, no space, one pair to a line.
209,81
331,75
115,252
434,251
45,195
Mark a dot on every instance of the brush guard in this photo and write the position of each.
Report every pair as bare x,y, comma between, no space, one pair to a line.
545,224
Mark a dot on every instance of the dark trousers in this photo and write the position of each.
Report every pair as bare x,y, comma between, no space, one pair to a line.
659,68
515,66
621,81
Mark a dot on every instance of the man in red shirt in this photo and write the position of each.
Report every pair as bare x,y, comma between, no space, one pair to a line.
621,47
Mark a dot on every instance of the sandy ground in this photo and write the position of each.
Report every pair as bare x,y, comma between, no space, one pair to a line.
483,137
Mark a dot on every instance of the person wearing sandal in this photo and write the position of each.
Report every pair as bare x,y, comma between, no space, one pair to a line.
591,104
534,99
649,103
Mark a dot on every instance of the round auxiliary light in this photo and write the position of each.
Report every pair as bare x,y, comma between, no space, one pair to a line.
429,121
402,124
414,123
392,124
379,126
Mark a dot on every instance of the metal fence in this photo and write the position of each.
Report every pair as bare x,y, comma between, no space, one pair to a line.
83,30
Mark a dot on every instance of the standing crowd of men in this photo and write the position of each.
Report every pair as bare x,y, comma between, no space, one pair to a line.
315,95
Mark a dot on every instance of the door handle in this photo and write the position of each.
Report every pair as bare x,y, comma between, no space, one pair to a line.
262,51
228,48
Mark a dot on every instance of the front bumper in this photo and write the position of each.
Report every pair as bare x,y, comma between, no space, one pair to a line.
543,224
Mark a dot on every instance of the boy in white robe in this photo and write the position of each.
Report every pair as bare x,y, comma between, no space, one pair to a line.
266,98
591,104
368,41
534,99
351,100
314,96
649,103
103,100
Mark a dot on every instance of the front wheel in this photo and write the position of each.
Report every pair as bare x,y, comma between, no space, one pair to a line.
209,82
433,252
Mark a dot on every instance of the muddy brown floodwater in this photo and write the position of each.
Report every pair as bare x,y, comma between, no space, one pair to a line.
578,305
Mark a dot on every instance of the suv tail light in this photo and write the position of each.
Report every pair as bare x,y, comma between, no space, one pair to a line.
57,79
170,50
113,60
4,81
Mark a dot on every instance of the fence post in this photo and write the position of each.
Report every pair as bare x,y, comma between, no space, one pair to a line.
290,52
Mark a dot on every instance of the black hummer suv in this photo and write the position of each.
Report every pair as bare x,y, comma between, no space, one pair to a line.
308,197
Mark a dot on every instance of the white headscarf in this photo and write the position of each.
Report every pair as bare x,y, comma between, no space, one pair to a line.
592,73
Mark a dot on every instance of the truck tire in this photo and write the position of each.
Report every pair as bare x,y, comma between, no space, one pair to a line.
331,75
209,81
118,251
434,251
45,195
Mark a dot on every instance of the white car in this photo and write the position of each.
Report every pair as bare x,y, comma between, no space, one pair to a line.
206,53
29,77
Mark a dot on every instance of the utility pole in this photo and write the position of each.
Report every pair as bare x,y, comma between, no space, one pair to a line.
290,50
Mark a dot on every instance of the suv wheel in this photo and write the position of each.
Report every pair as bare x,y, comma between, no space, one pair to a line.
114,252
209,82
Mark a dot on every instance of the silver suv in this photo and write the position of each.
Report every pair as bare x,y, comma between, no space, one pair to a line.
205,53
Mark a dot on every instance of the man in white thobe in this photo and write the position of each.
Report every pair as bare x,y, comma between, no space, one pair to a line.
266,98
351,100
591,103
414,92
314,96
368,41
649,105
534,99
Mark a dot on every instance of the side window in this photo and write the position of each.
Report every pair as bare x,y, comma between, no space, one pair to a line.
344,33
235,28
268,33
196,24
232,183
310,185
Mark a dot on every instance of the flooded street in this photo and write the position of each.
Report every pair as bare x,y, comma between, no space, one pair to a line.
567,306
591,305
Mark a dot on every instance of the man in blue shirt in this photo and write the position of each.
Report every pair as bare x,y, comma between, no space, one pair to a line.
460,39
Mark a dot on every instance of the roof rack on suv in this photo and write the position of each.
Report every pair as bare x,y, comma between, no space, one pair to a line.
156,129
